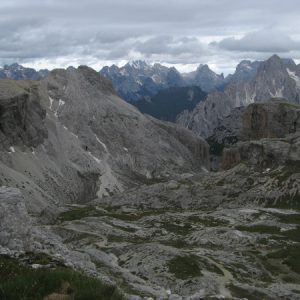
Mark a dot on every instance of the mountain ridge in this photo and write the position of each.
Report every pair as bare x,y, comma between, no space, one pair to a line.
274,78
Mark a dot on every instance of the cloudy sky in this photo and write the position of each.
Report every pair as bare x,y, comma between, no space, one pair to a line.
59,33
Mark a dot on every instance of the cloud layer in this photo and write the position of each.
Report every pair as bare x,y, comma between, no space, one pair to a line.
97,32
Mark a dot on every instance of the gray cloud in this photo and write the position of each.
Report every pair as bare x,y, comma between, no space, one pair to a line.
96,32
271,41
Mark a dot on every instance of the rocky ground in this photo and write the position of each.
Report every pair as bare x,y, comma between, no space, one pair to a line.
187,241
232,234
138,208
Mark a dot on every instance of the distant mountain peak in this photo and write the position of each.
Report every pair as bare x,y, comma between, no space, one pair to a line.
204,67
18,72
252,82
138,64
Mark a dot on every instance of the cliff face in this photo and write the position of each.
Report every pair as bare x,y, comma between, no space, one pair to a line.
275,119
274,78
22,118
269,136
69,139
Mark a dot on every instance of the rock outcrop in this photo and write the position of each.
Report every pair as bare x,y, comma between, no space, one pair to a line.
269,135
22,118
274,78
270,120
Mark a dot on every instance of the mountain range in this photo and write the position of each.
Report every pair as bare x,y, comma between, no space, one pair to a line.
18,72
138,80
97,198
274,77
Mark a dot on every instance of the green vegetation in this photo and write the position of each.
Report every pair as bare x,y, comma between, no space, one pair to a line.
177,243
289,219
290,255
263,229
184,267
169,103
18,281
293,234
215,148
80,213
90,211
239,292
287,201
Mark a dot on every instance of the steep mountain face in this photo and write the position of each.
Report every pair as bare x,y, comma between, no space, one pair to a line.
18,72
268,137
138,80
245,71
169,103
205,78
68,138
275,78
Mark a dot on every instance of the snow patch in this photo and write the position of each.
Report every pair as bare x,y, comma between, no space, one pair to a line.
249,211
12,149
101,143
204,170
278,93
156,78
76,136
280,211
239,233
51,102
95,158
61,103
294,77
123,72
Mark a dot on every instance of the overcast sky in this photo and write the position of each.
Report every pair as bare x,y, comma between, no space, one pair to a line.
59,33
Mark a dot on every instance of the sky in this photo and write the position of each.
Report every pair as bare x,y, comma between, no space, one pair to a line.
182,33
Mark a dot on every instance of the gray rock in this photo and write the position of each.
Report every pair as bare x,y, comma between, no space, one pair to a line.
15,223
18,72
69,139
277,118
22,119
274,78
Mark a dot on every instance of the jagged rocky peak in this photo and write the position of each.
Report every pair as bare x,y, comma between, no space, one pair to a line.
206,79
273,63
245,70
271,80
138,64
138,80
18,72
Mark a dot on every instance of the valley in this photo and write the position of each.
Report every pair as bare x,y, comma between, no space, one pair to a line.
97,194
